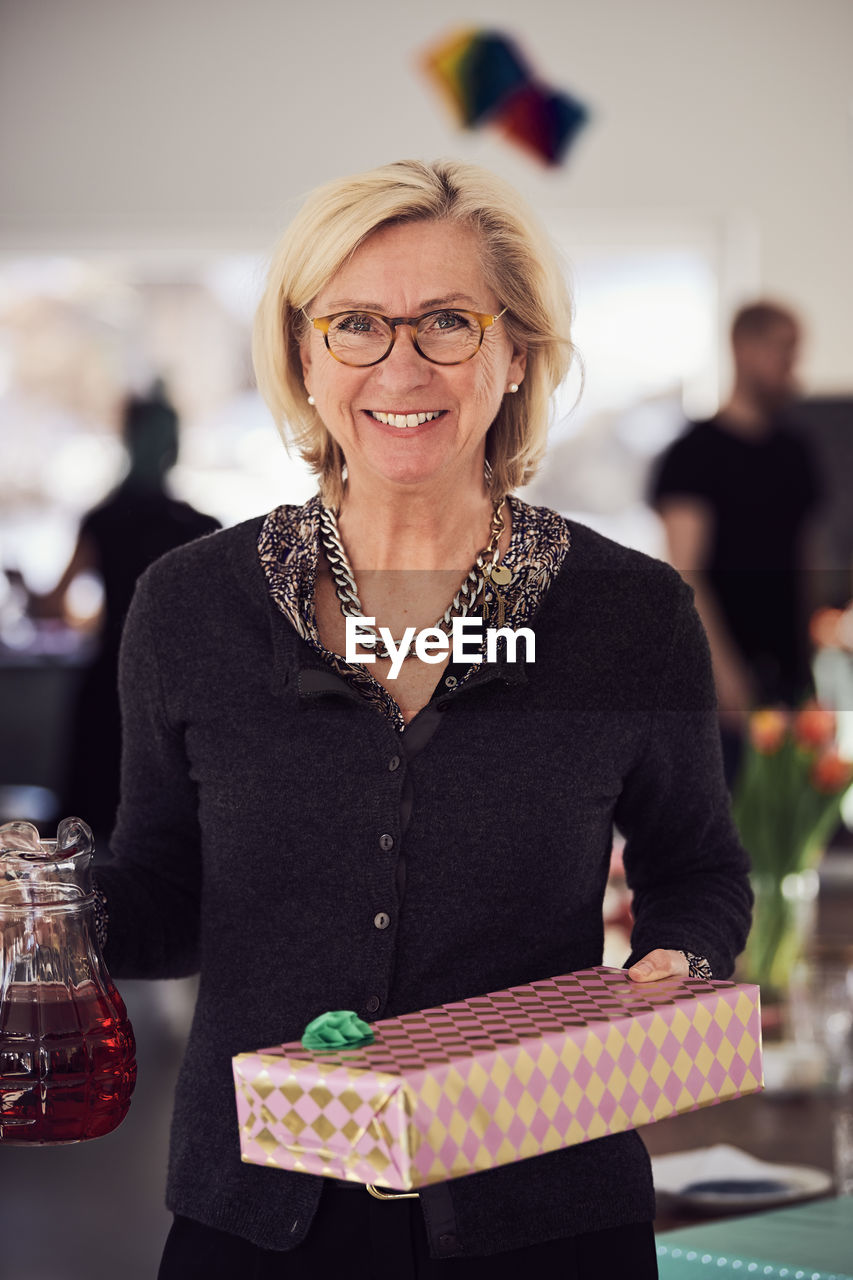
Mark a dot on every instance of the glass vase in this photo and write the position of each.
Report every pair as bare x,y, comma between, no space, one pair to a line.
783,924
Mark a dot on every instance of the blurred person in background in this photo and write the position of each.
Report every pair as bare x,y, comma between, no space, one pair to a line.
736,495
117,541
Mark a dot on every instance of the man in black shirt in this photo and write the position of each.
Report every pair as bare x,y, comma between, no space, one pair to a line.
735,494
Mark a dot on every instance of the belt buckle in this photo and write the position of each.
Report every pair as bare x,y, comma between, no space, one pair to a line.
390,1195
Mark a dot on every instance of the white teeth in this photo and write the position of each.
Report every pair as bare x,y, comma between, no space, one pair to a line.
402,420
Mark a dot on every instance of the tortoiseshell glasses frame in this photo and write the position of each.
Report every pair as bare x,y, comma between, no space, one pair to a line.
483,320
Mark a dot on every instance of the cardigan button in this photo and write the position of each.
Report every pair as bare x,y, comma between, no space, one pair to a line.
372,1004
386,842
382,920
393,764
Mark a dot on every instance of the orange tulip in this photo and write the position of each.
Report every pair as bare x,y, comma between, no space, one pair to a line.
824,628
767,730
832,775
814,725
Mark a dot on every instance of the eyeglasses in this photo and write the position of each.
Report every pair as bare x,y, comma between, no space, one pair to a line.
442,337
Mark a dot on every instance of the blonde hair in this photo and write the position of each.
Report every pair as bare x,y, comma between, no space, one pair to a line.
518,260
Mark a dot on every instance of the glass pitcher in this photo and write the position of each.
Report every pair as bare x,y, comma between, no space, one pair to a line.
67,1065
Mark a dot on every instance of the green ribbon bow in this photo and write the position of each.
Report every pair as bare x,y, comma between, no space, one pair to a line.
338,1029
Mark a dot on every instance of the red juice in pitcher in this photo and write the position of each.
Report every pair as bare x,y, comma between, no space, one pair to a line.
67,1065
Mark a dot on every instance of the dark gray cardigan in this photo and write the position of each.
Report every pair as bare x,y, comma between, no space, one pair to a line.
270,817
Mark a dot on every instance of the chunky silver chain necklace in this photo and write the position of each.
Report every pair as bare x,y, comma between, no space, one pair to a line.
473,585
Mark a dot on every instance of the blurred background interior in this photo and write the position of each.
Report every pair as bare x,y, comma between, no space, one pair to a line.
151,154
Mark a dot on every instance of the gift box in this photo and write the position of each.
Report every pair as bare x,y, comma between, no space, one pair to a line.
483,1082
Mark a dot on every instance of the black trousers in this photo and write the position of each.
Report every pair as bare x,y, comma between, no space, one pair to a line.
354,1237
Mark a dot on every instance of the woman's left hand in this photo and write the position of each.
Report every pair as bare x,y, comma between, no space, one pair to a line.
660,964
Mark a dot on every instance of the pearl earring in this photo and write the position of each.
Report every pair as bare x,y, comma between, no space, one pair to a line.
513,386
311,400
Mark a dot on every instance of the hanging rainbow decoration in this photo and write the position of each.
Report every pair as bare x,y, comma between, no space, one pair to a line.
485,80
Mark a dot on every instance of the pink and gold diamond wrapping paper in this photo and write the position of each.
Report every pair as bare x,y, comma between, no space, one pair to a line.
483,1082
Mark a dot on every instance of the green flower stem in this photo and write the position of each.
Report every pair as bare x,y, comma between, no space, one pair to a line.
784,823
779,930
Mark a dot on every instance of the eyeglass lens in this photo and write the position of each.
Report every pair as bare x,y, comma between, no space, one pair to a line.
447,337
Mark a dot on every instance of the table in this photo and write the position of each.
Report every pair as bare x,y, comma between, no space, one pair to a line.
783,1130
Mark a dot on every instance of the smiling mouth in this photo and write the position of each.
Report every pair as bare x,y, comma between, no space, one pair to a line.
403,420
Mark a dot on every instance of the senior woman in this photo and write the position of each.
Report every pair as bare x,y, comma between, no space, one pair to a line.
386,833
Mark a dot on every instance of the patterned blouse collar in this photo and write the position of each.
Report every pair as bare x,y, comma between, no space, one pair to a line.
289,550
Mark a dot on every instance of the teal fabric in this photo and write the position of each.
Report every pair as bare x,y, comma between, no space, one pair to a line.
810,1242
